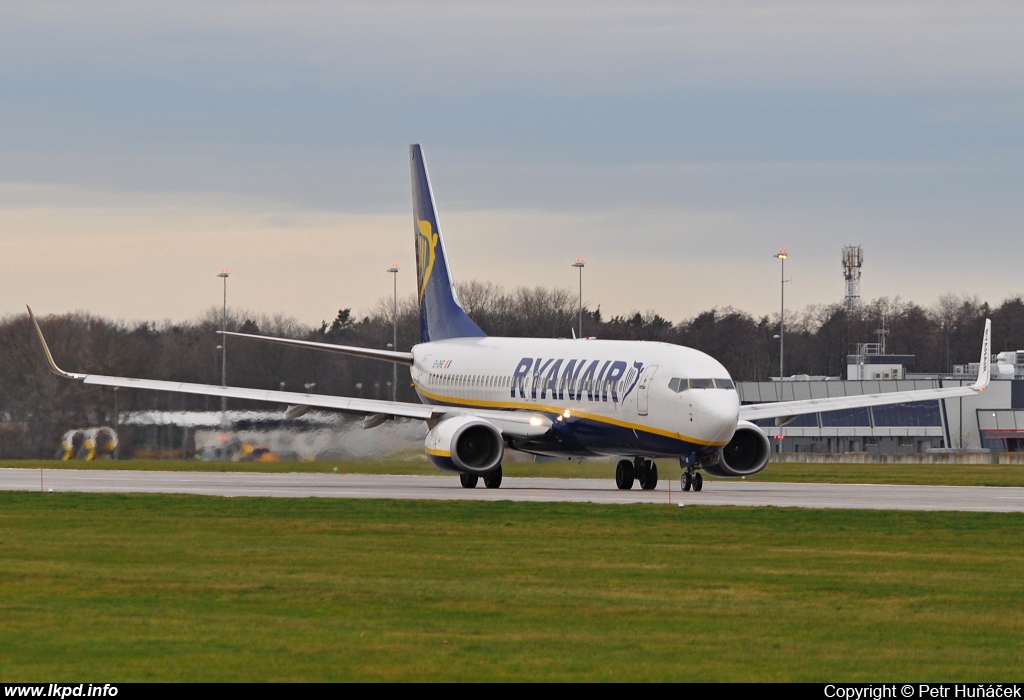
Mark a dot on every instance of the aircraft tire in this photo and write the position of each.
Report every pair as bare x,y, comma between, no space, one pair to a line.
649,482
698,482
624,475
492,479
687,481
468,480
641,468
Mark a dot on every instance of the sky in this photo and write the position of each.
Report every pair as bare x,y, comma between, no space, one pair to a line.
675,146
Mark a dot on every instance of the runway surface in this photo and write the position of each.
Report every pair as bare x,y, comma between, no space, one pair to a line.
715,493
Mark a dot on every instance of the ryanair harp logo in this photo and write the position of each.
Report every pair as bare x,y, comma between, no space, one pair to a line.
426,243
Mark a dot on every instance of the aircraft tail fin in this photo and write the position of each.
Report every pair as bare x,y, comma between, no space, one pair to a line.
441,315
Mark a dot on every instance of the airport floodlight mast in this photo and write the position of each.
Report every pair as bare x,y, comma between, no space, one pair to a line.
853,259
580,264
394,333
782,255
224,344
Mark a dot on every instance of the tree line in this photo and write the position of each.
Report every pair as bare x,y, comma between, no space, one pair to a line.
36,407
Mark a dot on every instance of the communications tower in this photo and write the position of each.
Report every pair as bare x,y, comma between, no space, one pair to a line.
853,259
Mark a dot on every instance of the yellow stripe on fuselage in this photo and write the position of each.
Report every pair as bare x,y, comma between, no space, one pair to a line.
459,401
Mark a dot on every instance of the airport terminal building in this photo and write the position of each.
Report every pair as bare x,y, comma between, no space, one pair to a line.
992,420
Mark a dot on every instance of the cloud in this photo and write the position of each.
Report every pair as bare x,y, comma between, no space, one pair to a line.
683,141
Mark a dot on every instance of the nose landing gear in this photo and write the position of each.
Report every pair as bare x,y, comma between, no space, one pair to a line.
691,478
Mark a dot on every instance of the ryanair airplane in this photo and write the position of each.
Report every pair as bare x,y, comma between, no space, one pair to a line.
564,398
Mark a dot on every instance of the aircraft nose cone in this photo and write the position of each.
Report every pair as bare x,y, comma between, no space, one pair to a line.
717,415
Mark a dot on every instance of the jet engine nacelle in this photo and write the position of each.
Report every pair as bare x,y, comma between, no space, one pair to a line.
71,443
465,444
89,443
747,453
100,442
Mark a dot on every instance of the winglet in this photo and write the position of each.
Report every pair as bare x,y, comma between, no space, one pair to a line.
984,364
46,351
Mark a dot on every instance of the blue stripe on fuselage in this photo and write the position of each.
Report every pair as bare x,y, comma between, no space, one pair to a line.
584,436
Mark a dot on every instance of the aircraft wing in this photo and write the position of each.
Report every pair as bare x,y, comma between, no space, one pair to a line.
783,410
521,424
404,358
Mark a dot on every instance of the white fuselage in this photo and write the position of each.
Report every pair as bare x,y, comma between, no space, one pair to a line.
605,396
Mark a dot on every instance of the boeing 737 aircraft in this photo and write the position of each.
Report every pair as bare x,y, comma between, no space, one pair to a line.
566,398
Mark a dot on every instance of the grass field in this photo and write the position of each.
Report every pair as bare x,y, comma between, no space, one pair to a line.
935,474
151,587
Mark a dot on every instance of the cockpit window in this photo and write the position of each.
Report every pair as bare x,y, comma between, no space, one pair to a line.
681,384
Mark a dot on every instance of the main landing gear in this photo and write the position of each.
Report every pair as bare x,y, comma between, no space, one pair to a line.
643,470
492,479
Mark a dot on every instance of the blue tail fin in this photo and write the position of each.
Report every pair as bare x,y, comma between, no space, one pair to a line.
441,316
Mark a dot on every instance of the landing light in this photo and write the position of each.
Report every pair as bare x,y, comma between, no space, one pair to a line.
536,420
566,413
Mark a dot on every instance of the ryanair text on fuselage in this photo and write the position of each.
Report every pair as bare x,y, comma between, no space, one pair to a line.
574,380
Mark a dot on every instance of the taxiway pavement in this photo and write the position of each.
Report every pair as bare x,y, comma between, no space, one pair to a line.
715,493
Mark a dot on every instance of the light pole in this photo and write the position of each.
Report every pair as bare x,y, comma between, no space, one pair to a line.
117,425
781,255
394,333
224,345
580,264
